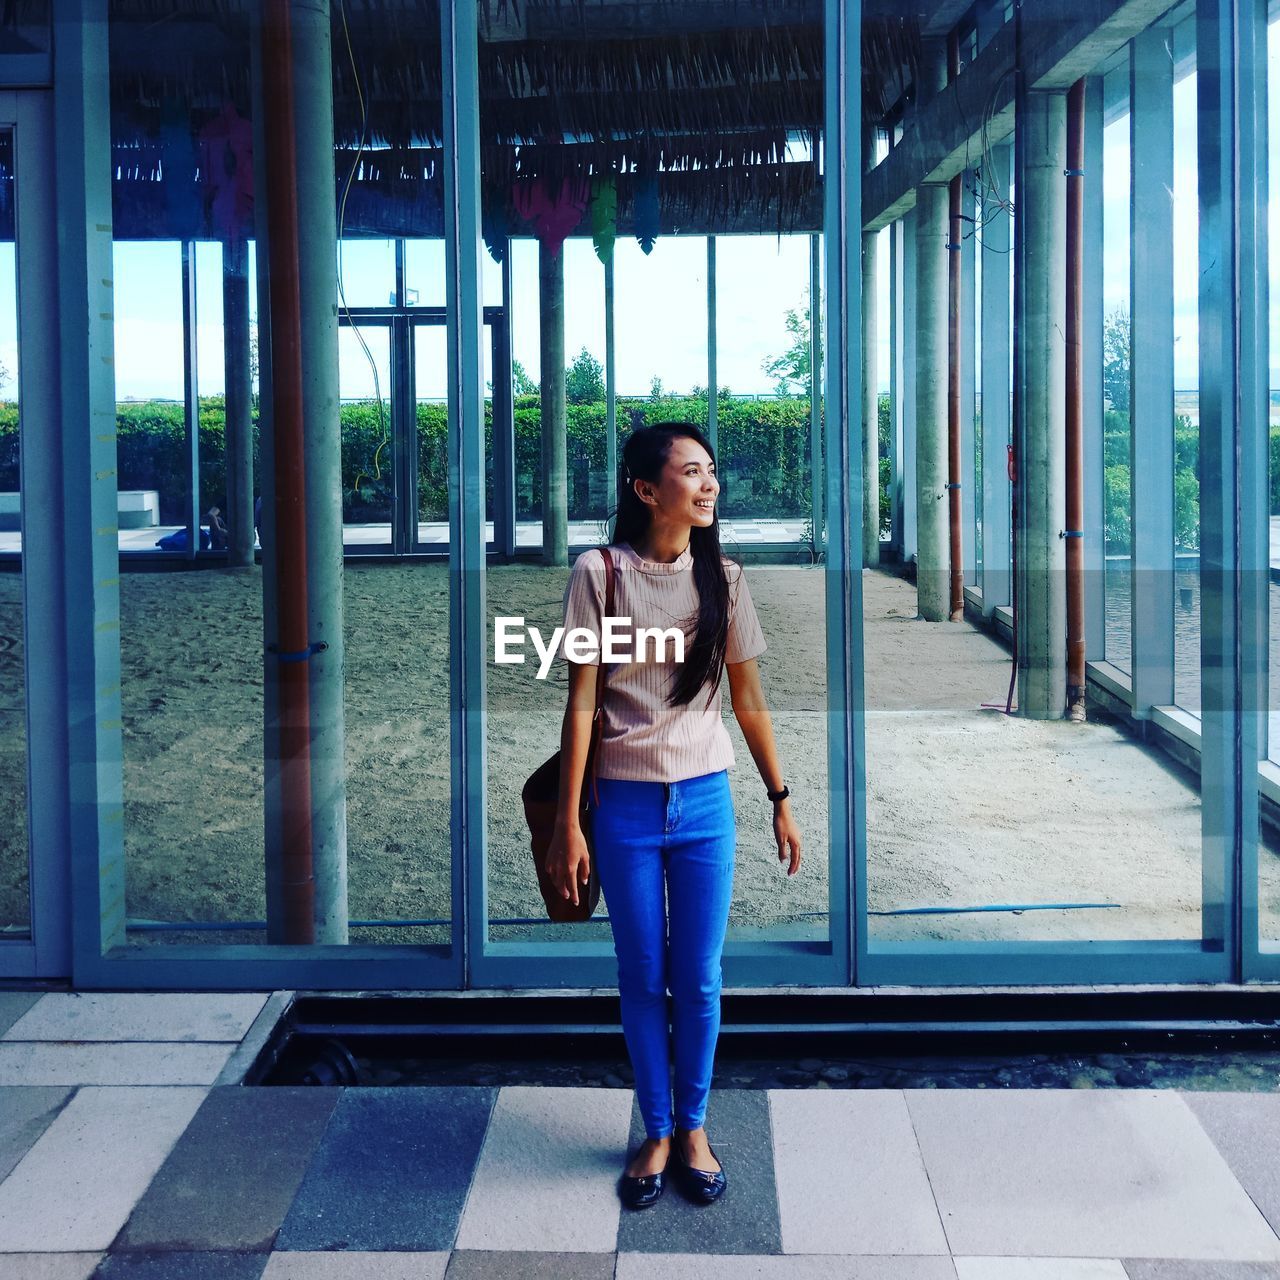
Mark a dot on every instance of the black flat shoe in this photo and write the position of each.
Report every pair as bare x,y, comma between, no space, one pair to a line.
640,1193
698,1185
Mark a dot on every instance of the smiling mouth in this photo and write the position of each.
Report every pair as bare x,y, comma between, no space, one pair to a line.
706,506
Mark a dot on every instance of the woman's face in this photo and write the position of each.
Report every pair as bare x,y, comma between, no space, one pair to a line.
687,488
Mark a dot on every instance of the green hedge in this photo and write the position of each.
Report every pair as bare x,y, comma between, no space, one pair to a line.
763,463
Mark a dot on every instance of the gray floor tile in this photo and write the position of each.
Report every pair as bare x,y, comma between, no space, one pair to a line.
872,1195
486,1264
697,1266
1185,1269
73,1191
1071,1173
23,1063
391,1171
746,1219
231,1178
25,1113
349,1265
119,1016
13,1004
47,1266
546,1178
1245,1127
181,1265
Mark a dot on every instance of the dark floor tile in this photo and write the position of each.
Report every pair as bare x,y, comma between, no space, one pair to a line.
1180,1269
182,1265
13,1004
392,1171
746,1219
481,1264
1245,1127
26,1111
229,1181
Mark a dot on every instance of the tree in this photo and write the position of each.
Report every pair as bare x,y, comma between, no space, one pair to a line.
656,389
1115,359
584,379
792,366
521,383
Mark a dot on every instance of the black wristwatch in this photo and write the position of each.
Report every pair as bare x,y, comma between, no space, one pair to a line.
775,796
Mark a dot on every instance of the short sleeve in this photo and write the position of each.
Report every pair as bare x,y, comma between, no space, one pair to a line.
746,637
584,602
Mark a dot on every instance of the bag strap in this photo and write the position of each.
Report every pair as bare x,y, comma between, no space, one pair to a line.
597,720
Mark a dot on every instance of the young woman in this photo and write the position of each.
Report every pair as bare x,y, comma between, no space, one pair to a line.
663,828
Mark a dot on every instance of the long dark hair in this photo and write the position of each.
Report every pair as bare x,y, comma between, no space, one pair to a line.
643,457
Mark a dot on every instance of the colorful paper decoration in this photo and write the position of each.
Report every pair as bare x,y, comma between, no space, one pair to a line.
495,230
604,217
552,216
647,217
226,170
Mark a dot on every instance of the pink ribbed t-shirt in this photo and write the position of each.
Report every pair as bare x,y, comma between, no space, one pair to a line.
645,738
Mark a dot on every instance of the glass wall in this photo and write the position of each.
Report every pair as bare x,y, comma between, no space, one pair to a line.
957,813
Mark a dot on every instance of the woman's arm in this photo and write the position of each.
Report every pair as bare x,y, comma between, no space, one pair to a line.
752,712
568,859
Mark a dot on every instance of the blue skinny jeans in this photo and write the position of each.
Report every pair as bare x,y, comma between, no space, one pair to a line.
664,853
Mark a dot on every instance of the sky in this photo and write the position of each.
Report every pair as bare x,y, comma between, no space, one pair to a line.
660,304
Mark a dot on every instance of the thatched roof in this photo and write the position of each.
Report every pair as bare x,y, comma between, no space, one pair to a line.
721,100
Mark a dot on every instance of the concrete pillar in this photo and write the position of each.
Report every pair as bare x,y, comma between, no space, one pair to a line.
555,489
311,64
1041,219
870,405
317,253
933,544
907,465
238,401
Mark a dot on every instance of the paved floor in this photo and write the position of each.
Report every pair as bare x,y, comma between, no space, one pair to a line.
128,1149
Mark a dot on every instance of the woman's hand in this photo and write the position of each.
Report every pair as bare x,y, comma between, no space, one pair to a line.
787,834
568,860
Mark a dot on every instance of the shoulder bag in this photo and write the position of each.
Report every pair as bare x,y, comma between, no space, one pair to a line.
541,798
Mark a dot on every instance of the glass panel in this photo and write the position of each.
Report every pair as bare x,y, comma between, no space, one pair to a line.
424,275
1186,376
367,273
1117,496
15,897
190,641
368,454
203,759
660,314
985,827
762,326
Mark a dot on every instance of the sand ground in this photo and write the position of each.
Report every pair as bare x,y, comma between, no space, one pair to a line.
965,806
